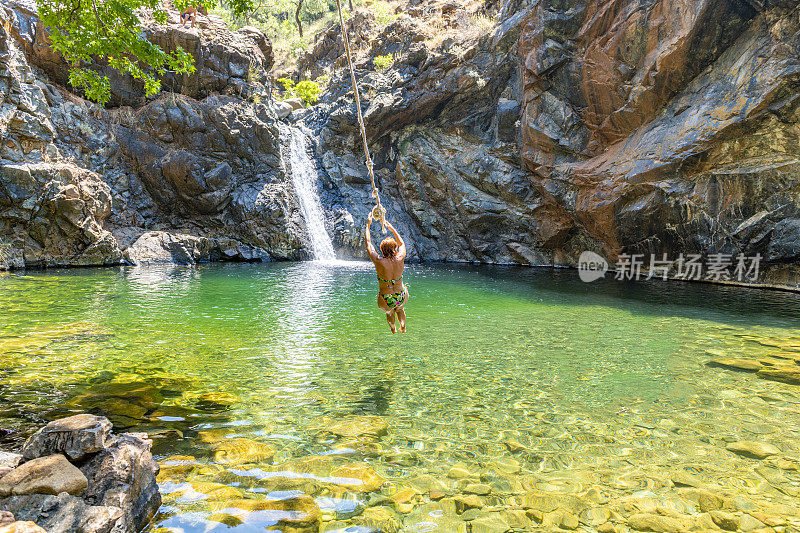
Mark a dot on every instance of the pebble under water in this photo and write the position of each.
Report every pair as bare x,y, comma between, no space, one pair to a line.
520,399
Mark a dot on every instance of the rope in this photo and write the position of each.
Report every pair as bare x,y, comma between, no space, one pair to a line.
378,212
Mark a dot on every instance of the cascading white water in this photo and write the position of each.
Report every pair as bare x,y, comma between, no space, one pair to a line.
304,179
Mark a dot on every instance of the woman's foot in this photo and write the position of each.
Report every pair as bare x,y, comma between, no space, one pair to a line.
390,320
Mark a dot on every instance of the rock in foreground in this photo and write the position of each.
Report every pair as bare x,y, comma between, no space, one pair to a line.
75,436
113,490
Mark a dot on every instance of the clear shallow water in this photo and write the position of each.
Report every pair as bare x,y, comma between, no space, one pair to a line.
266,386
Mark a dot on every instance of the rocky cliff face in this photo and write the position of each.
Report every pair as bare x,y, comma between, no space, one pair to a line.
622,127
196,174
668,126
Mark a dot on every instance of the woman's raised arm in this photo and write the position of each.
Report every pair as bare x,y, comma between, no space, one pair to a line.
373,255
401,246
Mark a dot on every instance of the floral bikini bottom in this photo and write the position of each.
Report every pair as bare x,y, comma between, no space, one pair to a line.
394,299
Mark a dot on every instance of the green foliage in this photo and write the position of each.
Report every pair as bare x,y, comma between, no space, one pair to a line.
288,86
384,13
383,62
307,90
88,32
111,30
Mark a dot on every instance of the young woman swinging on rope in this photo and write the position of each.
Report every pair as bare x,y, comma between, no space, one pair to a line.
392,292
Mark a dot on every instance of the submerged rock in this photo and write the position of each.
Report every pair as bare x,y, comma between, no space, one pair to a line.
785,373
748,365
358,476
358,426
493,523
755,450
379,518
294,513
216,401
656,523
242,451
682,478
727,521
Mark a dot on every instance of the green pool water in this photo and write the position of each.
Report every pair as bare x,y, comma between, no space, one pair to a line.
524,381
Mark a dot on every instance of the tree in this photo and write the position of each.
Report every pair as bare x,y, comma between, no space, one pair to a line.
297,17
87,31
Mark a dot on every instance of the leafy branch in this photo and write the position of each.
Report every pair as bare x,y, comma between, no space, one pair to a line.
84,31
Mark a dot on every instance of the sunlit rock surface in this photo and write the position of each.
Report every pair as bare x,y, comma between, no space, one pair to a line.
108,483
619,127
196,174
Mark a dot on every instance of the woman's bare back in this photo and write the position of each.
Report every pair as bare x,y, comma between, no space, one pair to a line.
392,292
389,270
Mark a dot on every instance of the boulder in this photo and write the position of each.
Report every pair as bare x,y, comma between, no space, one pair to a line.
9,460
21,527
44,475
262,41
123,476
283,109
75,436
59,212
64,513
295,103
159,247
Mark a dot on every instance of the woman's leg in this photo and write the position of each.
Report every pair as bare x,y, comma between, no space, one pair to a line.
401,315
401,312
390,312
390,320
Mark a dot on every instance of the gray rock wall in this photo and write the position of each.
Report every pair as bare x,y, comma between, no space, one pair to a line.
619,127
183,178
623,127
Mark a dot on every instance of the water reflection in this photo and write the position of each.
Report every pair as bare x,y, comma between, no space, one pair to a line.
305,310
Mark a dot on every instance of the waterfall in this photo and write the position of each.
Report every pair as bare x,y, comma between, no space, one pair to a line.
304,179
